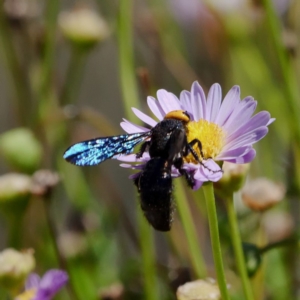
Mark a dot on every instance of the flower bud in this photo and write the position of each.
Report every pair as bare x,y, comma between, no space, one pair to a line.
112,292
14,192
14,268
21,149
261,194
43,181
233,178
72,244
200,289
83,27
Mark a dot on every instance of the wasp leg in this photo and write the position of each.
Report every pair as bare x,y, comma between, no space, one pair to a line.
190,149
136,182
178,163
143,148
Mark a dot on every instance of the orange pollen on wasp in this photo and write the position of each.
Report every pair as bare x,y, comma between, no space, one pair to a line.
178,115
209,134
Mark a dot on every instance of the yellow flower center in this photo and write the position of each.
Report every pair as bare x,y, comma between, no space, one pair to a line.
27,295
209,134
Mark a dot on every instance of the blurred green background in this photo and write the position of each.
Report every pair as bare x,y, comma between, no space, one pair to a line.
71,70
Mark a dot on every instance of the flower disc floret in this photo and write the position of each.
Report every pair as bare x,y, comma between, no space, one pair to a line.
211,136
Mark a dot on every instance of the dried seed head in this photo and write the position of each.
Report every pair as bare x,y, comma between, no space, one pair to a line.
278,225
261,194
199,290
43,181
14,268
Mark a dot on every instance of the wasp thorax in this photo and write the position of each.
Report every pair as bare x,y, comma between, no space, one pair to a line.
211,137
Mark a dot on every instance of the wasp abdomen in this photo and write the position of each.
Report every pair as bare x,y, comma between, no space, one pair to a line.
155,187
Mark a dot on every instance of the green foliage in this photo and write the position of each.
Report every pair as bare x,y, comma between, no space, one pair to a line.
21,149
54,95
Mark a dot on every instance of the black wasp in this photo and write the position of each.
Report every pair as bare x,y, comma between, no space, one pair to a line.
167,146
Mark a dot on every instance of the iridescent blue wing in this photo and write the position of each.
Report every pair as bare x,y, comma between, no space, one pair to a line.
95,151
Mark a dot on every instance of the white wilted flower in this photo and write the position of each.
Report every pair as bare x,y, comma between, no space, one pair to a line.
261,193
199,290
83,26
14,268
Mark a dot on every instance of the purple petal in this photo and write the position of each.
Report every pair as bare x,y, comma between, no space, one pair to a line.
146,119
174,172
134,176
213,104
233,153
209,171
198,101
247,139
212,170
186,100
155,108
33,281
271,121
127,158
215,176
211,165
132,157
130,127
175,100
168,101
197,185
133,167
228,105
126,166
200,175
50,284
244,159
259,120
241,114
190,167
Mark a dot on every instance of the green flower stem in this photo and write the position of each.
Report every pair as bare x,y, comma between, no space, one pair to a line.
237,246
130,99
49,55
148,259
47,61
215,240
73,76
126,57
61,261
20,82
287,73
15,230
190,232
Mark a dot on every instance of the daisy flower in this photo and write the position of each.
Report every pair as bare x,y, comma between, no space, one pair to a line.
227,129
44,288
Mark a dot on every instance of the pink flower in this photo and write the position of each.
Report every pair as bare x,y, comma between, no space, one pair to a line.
44,288
227,129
